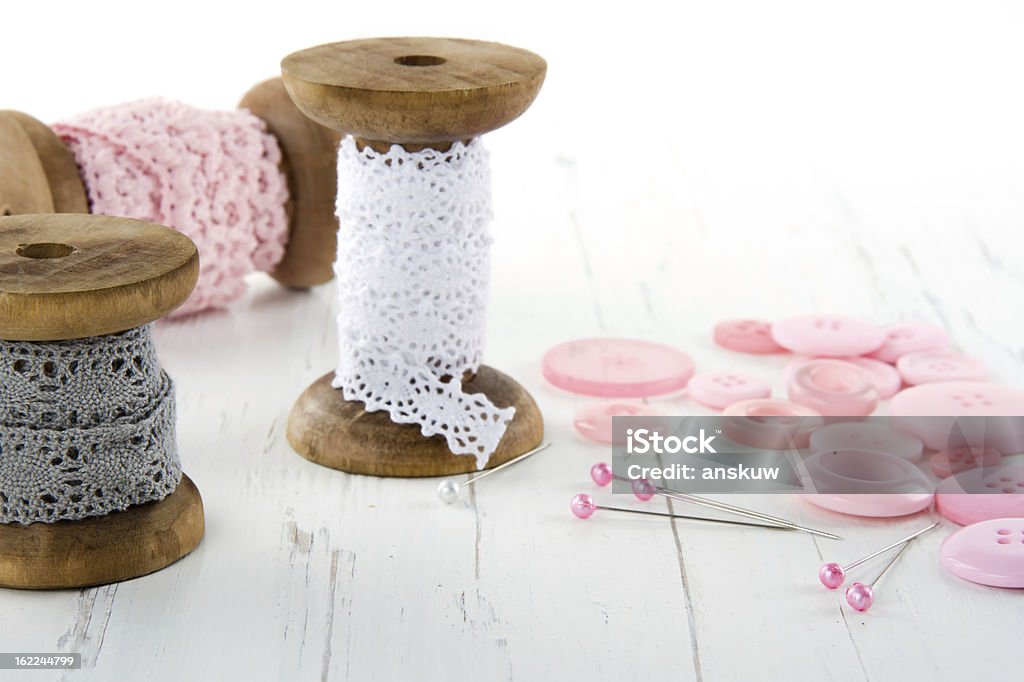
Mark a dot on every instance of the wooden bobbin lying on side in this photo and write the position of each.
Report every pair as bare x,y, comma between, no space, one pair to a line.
78,276
419,93
38,174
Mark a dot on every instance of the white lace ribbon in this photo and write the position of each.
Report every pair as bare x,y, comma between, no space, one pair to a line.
413,268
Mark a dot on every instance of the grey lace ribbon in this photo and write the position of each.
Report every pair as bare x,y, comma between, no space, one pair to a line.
87,427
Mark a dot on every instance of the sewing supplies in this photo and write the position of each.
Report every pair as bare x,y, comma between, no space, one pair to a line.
253,188
409,396
449,490
832,575
91,487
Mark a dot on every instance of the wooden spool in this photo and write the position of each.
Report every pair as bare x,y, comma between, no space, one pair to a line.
65,276
418,93
38,174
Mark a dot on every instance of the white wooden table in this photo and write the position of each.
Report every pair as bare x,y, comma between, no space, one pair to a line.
647,216
308,573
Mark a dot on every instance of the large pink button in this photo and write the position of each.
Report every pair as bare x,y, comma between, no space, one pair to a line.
718,390
834,388
930,411
594,420
980,494
930,366
770,424
828,335
866,483
989,553
959,399
879,436
747,336
617,368
901,339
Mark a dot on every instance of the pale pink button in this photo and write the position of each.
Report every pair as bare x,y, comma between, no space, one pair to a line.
980,494
879,436
988,553
866,483
930,411
887,380
959,399
901,339
770,424
594,420
947,462
718,390
930,366
828,335
617,368
833,388
747,336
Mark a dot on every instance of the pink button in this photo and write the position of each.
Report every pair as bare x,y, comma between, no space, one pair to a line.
747,336
866,483
930,366
594,420
879,436
959,399
930,411
828,335
834,388
718,390
617,368
887,380
945,463
988,553
982,494
873,505
770,424
901,339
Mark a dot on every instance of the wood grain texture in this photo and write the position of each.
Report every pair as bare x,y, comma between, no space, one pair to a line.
69,276
309,162
67,193
24,187
102,549
329,430
413,90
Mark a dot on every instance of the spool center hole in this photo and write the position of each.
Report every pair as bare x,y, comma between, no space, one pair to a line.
45,250
420,60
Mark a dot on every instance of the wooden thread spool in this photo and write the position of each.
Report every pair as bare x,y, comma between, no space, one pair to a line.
419,93
66,276
38,174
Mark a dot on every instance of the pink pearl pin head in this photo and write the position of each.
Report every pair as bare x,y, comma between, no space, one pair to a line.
601,474
827,335
617,368
860,597
583,506
831,575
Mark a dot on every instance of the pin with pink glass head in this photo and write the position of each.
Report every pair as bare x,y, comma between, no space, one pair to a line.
832,575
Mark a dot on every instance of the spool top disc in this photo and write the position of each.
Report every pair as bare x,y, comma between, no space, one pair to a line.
309,160
413,90
69,276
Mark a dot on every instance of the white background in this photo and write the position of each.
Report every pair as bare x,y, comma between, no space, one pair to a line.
684,163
